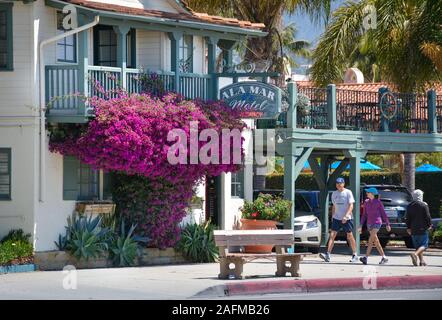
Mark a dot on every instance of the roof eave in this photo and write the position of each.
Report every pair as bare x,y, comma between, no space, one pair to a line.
171,22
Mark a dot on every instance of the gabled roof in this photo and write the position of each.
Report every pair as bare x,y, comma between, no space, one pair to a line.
189,15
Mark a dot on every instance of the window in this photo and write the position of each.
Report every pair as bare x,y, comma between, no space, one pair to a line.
6,63
237,184
5,174
186,51
66,47
105,46
81,182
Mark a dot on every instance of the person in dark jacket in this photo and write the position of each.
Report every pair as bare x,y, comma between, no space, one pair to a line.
418,221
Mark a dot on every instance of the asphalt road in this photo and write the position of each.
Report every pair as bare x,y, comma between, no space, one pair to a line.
428,294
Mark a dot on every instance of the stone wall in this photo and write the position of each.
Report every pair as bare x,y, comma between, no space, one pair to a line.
57,260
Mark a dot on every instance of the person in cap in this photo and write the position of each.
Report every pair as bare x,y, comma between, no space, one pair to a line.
343,202
418,222
374,214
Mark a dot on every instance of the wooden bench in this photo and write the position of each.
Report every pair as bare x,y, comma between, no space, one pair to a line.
281,239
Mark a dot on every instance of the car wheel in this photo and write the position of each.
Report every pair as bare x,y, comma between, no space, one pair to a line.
314,250
383,242
409,243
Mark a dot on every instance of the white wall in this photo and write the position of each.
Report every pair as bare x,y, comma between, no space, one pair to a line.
149,49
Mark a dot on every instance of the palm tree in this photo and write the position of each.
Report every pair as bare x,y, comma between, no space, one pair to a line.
269,12
407,44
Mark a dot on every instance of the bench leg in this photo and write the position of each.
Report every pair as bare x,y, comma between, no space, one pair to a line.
225,271
282,269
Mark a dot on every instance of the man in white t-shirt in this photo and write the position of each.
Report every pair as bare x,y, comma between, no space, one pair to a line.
343,202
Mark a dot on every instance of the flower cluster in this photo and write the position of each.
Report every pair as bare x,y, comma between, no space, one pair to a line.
129,135
266,207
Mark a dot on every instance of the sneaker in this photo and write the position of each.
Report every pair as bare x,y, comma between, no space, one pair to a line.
354,258
423,264
363,260
413,258
383,261
325,257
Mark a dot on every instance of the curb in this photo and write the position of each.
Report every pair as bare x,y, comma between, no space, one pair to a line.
322,285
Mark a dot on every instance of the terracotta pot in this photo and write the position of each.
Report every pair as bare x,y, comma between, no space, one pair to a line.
248,224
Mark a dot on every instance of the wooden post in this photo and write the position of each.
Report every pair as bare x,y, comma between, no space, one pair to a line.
175,38
331,107
83,64
121,32
291,112
355,187
384,121
432,115
211,67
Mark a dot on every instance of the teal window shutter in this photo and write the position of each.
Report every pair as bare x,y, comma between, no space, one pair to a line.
71,167
107,185
6,54
5,174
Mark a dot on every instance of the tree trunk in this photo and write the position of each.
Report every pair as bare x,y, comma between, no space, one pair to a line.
409,170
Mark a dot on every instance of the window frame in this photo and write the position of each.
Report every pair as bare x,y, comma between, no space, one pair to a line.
237,181
9,153
183,47
7,8
74,46
97,46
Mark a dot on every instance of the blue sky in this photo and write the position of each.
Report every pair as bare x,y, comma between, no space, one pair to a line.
308,30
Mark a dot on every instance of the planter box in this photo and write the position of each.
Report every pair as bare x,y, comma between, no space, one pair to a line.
17,268
95,208
57,260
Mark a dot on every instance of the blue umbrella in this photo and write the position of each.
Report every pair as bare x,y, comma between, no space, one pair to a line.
428,168
365,165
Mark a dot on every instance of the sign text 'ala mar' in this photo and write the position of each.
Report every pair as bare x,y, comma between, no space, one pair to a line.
254,99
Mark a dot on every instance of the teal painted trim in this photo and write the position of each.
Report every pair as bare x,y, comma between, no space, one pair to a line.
291,113
355,185
331,107
175,38
17,268
54,118
133,49
7,8
83,63
247,74
175,23
289,187
212,43
317,172
299,165
338,171
432,111
8,152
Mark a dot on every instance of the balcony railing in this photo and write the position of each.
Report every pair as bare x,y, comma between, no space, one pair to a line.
63,95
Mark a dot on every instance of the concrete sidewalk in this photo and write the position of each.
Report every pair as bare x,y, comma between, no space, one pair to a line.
194,280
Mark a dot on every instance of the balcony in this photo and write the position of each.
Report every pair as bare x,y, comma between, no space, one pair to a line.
64,87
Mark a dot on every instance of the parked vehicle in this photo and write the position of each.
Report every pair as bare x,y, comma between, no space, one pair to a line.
307,226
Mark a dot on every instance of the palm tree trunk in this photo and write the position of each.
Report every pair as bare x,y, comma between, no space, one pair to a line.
409,170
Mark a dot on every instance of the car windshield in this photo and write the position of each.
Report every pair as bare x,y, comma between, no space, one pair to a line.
395,194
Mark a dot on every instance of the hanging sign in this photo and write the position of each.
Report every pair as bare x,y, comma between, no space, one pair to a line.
254,99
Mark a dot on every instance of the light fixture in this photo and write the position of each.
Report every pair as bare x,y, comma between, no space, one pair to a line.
280,139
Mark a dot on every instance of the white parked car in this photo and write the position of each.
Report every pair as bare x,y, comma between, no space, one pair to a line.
307,231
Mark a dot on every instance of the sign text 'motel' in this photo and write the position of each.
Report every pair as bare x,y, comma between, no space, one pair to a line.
254,99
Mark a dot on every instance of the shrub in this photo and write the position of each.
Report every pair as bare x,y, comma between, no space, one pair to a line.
85,237
11,250
16,235
197,242
123,248
266,207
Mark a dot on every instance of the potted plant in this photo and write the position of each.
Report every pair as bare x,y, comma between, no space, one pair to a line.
263,214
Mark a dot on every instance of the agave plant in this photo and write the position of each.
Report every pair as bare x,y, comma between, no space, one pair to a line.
123,249
85,237
197,242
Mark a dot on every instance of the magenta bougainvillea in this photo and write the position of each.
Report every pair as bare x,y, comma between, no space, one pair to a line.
129,135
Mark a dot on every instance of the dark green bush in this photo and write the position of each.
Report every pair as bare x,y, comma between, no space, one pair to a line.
11,250
197,242
16,235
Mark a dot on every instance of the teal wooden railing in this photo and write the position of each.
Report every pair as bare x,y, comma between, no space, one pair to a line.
62,85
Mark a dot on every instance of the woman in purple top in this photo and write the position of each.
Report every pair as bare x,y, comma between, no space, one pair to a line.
374,214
